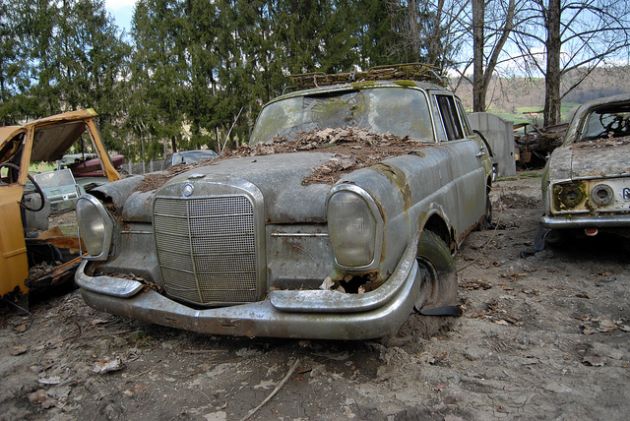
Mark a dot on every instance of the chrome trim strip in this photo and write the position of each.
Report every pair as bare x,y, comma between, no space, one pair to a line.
376,213
586,222
109,227
108,285
192,253
136,232
299,234
327,301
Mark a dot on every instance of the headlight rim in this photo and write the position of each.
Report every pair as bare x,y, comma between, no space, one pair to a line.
378,218
597,200
107,222
559,190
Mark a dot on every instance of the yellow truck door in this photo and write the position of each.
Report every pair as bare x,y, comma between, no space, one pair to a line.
13,259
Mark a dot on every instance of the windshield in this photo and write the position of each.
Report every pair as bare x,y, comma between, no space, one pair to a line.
607,123
399,111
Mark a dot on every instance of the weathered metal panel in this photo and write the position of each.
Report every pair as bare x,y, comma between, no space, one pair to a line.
500,136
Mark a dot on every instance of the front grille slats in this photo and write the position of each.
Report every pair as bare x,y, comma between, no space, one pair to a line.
207,248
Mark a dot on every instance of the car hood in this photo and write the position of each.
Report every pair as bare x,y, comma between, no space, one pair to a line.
606,158
278,176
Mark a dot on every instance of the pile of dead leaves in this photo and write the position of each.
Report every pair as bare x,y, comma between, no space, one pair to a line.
353,148
156,180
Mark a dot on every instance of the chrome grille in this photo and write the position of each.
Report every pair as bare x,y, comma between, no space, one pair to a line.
207,248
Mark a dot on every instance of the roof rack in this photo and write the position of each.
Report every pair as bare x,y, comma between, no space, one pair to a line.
408,71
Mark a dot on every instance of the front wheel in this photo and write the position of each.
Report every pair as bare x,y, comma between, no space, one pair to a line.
486,221
437,301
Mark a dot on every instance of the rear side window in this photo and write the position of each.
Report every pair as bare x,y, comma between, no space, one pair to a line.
464,117
448,112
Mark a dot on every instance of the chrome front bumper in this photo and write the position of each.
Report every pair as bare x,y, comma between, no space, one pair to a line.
576,221
312,314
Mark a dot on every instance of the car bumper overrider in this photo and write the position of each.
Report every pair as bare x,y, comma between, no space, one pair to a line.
314,314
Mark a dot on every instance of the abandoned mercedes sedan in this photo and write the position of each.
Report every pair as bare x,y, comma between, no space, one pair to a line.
586,184
336,221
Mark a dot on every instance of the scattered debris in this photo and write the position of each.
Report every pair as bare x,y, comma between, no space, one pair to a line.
600,325
153,181
593,361
40,397
108,365
18,350
49,381
473,285
21,328
274,391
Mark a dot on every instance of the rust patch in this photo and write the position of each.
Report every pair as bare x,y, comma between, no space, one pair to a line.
398,178
353,284
45,274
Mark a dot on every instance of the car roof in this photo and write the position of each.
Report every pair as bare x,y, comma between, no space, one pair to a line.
606,100
362,85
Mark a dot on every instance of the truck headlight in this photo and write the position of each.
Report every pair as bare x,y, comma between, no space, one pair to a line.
95,227
355,227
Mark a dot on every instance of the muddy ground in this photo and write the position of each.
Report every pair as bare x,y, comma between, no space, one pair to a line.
543,337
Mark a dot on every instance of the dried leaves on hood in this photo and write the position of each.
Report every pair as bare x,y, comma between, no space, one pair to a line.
353,148
156,180
602,143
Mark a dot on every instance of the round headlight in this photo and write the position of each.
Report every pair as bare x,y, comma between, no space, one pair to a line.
602,195
354,228
567,196
95,226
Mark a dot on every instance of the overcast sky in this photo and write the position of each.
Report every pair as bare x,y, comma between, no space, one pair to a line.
122,11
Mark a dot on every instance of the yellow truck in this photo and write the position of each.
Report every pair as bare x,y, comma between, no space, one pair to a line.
21,198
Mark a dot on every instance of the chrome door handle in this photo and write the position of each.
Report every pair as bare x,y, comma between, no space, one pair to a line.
481,152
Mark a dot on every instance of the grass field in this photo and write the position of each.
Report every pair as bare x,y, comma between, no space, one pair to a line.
534,114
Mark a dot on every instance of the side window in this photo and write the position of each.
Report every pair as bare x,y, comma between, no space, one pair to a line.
439,126
450,118
464,117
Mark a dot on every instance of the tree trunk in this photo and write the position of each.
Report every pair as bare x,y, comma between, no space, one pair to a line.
479,93
553,74
414,32
174,143
435,52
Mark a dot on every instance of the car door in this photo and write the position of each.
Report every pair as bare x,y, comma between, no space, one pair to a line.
13,258
466,162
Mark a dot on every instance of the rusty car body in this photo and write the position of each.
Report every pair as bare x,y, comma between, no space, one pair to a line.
586,183
243,246
23,244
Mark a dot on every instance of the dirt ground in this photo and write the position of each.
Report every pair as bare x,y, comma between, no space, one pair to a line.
542,337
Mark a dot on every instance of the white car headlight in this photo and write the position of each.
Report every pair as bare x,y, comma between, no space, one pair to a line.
355,227
95,227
